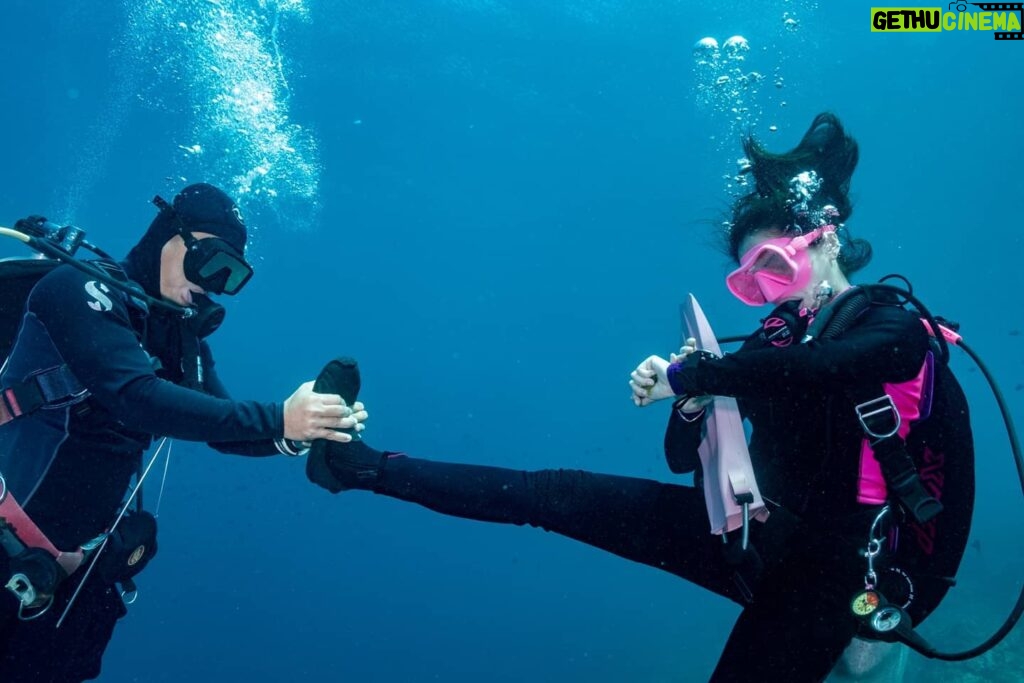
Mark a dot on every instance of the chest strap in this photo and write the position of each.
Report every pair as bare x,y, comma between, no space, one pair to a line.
53,387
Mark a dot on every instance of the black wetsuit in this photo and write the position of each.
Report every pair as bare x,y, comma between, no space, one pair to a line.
805,447
70,467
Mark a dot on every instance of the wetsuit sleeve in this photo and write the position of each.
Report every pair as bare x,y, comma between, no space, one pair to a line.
211,380
90,326
682,437
887,344
216,388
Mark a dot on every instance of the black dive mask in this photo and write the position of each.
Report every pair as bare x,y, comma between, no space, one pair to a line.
208,316
214,265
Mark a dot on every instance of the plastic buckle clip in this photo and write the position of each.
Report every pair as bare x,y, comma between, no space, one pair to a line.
22,588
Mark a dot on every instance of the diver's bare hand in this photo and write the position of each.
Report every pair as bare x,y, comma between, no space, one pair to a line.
685,350
649,382
309,415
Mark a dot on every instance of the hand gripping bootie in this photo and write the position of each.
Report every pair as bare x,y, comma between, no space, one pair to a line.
340,466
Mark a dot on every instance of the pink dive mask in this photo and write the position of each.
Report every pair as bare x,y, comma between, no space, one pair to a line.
774,269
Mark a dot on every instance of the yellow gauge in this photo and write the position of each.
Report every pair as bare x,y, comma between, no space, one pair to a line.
865,603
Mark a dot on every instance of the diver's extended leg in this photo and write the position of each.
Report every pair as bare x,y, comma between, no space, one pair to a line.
660,525
657,524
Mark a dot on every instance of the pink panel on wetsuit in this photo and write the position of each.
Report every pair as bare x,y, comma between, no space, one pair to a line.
907,396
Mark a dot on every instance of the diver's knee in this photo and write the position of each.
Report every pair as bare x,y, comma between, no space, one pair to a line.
551,494
870,661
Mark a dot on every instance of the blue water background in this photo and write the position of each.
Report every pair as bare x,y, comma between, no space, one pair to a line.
514,198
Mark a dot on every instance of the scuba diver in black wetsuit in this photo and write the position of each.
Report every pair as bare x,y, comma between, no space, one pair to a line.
107,356
835,483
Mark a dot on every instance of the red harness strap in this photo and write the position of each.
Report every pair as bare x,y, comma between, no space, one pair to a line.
9,408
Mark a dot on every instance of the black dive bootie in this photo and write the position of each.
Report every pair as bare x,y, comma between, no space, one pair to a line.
340,466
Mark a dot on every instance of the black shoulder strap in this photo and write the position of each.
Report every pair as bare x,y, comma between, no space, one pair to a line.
875,409
881,421
49,387
17,278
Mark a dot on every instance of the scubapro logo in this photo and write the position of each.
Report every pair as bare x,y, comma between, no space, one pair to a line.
98,291
238,214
